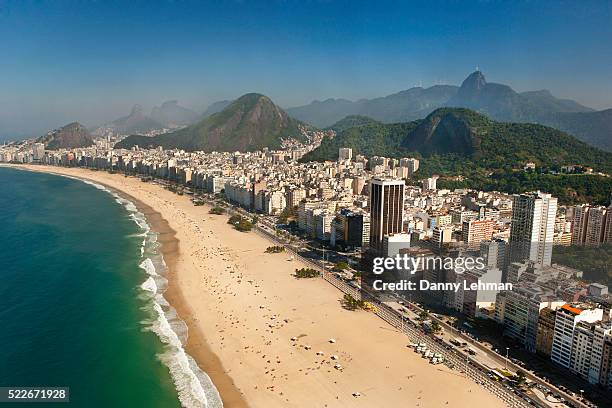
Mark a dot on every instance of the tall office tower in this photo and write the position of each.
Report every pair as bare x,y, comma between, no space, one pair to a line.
345,153
532,229
386,209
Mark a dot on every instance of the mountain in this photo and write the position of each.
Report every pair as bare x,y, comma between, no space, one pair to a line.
547,101
414,103
71,136
369,139
485,154
402,106
470,136
325,113
214,108
351,121
492,144
501,102
595,128
498,101
171,114
447,130
135,122
249,123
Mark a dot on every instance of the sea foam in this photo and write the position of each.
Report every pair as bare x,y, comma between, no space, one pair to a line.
195,388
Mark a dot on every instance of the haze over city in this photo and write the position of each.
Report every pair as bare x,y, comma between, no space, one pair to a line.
91,62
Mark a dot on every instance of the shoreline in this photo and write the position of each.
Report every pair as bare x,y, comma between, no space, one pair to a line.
196,345
242,308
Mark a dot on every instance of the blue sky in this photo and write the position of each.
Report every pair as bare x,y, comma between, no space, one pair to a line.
91,61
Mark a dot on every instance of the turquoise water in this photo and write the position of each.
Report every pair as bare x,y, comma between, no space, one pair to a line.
77,299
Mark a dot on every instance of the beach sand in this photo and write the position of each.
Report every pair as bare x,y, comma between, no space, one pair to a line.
242,307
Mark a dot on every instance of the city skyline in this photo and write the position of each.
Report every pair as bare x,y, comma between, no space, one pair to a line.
91,62
306,203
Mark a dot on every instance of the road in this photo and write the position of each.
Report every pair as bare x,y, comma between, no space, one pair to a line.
470,366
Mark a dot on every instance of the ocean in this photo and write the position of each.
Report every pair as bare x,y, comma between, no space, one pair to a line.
81,302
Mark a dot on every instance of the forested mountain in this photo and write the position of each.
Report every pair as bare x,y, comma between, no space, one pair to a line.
470,150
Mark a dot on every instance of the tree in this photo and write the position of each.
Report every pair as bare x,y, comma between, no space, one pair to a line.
340,266
234,219
287,214
244,225
305,273
435,327
240,223
350,303
520,377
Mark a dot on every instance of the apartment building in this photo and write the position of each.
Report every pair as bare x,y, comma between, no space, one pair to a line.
566,319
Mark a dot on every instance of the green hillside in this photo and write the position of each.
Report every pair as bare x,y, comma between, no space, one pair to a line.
351,121
489,155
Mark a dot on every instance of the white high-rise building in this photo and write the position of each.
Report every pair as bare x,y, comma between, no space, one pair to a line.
430,183
394,243
533,227
601,354
566,319
590,355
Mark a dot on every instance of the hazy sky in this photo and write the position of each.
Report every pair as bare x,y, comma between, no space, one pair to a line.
91,61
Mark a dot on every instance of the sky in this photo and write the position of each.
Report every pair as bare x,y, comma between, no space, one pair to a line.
90,61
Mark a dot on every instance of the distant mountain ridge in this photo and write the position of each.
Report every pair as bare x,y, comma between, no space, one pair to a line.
594,127
499,102
135,122
403,106
171,114
249,123
71,136
214,108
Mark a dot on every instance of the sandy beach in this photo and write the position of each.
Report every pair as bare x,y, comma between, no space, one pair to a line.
243,306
